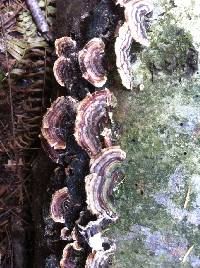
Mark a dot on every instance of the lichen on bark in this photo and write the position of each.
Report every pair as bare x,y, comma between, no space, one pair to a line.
158,200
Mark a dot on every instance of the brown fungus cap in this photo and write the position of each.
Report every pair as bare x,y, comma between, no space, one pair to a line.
92,111
122,51
135,12
62,70
60,204
65,46
99,185
102,164
91,62
71,256
59,121
65,234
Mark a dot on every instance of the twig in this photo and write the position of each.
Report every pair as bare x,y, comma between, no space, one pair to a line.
187,253
39,18
21,4
17,188
13,16
187,199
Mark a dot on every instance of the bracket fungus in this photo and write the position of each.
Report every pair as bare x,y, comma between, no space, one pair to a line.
59,205
91,62
122,50
99,185
65,46
59,121
134,15
91,113
71,256
64,68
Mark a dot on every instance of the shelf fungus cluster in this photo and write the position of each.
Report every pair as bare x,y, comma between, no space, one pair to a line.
59,121
91,62
123,59
92,114
89,123
64,66
105,174
133,29
90,59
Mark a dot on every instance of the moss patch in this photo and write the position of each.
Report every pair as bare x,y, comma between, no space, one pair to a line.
157,202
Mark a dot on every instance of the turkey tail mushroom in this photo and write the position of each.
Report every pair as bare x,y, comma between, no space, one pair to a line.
59,205
65,46
122,50
91,113
91,62
72,256
59,121
135,12
65,66
105,174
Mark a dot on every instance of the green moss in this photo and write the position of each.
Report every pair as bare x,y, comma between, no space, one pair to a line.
158,138
162,140
169,46
168,52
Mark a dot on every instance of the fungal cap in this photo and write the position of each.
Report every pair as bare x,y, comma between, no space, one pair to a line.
91,62
134,15
122,50
99,185
64,46
58,117
60,69
91,112
59,199
69,256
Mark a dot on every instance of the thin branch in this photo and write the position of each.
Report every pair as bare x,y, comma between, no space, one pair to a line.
187,254
187,199
39,18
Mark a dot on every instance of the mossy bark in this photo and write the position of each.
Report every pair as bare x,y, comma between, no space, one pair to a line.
159,199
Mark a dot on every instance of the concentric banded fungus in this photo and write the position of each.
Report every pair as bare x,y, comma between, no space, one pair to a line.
59,205
92,111
71,257
105,173
64,46
99,259
91,62
122,50
62,70
134,14
59,121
